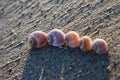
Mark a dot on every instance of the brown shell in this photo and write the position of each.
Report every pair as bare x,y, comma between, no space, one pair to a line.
85,43
72,39
99,46
37,39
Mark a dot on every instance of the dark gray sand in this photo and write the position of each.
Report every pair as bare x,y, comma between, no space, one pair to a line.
95,18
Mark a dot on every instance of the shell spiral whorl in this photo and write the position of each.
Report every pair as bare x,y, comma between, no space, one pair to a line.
56,37
37,39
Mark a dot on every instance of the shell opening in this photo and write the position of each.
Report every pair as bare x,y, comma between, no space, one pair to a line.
30,41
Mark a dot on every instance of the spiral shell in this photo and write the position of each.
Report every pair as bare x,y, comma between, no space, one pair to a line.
100,46
86,43
72,39
56,38
37,39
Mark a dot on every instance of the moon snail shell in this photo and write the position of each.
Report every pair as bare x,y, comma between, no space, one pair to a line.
72,39
56,38
37,39
86,43
100,46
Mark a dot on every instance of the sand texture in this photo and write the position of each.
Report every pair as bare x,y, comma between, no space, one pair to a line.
94,18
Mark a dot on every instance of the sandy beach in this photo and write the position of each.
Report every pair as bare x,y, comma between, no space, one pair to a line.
94,18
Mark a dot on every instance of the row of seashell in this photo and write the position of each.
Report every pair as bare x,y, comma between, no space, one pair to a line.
56,37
